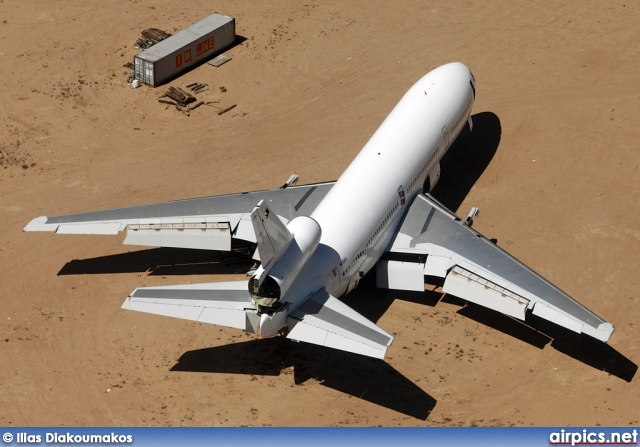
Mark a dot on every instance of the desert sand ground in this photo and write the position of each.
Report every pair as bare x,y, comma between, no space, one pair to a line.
552,163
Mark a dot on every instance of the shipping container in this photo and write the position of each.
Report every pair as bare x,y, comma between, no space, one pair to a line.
182,51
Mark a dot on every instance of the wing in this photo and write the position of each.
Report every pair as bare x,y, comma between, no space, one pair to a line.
434,242
222,303
203,223
326,321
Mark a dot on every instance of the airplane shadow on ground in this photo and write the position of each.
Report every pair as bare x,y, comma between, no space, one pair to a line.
369,379
539,333
166,262
365,378
467,159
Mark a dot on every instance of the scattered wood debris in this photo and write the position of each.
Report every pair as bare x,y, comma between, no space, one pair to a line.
155,35
220,110
195,106
226,109
182,109
181,97
142,44
198,88
150,37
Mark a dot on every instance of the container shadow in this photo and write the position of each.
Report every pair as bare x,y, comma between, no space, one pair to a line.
362,377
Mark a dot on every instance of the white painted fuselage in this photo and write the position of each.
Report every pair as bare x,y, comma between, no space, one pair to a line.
360,213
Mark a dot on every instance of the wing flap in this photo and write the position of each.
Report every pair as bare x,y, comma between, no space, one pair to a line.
324,320
474,288
224,303
201,235
400,275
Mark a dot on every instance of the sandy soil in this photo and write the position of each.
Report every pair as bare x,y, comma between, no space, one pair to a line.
552,164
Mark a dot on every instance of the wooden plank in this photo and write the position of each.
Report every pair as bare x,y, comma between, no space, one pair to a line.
195,106
225,110
219,60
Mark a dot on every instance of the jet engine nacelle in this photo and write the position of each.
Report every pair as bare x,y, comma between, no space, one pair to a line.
432,179
271,282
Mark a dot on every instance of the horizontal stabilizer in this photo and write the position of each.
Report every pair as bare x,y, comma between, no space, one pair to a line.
326,321
222,303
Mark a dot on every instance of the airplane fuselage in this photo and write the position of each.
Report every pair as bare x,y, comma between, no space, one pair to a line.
360,213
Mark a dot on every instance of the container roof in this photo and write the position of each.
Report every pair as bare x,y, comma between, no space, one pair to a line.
185,37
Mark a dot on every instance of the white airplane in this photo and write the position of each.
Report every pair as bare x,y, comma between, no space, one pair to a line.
315,242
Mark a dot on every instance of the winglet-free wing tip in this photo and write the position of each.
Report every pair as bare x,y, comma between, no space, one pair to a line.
40,224
605,330
602,332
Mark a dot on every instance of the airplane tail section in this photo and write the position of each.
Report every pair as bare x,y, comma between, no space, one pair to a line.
271,233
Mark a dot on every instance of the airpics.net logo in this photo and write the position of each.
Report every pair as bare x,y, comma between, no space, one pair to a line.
592,437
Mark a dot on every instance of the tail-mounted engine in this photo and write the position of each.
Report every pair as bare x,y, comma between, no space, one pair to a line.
283,252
